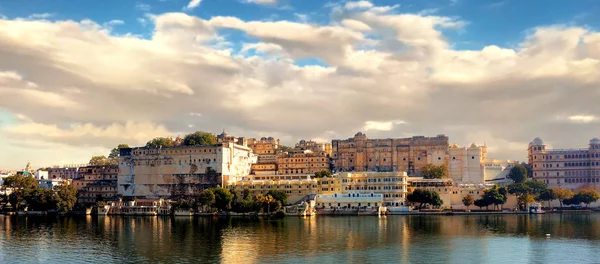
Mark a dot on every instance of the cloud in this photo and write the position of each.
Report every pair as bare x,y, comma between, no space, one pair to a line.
40,16
85,85
193,4
359,5
143,7
262,2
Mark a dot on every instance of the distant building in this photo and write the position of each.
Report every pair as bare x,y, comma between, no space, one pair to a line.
96,183
314,146
305,162
471,165
51,183
265,149
64,171
182,170
392,154
576,168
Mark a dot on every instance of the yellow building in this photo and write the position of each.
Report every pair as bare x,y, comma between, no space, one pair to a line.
392,154
265,149
296,189
314,146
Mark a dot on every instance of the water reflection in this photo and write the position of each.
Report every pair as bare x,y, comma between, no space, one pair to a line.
485,238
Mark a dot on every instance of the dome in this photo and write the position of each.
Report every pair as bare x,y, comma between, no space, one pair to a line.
454,146
359,134
263,138
473,145
270,138
595,141
536,142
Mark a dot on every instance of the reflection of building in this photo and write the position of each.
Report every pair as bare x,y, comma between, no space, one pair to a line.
306,162
314,146
399,154
182,170
568,168
471,165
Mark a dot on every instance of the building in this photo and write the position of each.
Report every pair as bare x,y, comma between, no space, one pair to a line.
182,170
577,168
225,138
41,175
51,183
265,149
305,162
471,165
96,183
314,146
350,200
392,154
65,171
295,186
393,185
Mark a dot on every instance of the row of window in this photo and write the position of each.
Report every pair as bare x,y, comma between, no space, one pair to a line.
187,151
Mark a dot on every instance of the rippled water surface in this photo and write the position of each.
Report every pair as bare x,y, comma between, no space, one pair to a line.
405,239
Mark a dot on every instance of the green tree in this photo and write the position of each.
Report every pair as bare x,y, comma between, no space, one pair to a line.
223,198
424,197
562,194
246,194
546,195
99,161
160,142
494,196
535,187
279,196
199,138
264,201
21,186
482,203
431,171
322,174
39,199
113,157
518,189
468,200
207,198
587,196
66,197
518,173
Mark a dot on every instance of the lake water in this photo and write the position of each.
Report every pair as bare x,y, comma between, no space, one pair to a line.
369,239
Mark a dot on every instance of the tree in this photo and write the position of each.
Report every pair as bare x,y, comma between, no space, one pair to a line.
562,194
431,171
207,198
99,161
245,194
424,197
322,174
41,199
535,187
264,200
482,203
493,196
113,157
223,198
468,200
21,186
199,138
518,173
279,196
546,195
66,197
518,189
587,196
160,142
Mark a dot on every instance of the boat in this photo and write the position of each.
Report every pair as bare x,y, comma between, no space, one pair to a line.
535,208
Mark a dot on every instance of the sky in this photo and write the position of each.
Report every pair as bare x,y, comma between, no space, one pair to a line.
78,79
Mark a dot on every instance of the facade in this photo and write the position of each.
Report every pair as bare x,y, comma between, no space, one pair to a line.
314,146
65,171
296,188
567,168
393,154
51,183
40,175
392,185
471,165
305,162
265,149
96,183
350,200
181,170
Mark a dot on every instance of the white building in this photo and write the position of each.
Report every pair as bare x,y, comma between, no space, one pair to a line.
41,175
471,165
183,170
350,200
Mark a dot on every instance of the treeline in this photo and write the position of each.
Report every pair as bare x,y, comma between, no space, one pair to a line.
25,193
221,199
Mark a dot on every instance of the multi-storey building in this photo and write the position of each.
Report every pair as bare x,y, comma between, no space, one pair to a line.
96,182
265,149
181,170
393,185
65,171
568,168
305,162
471,165
392,154
296,189
314,146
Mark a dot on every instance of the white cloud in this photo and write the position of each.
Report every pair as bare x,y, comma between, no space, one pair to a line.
40,16
193,4
358,5
262,2
583,119
385,126
143,7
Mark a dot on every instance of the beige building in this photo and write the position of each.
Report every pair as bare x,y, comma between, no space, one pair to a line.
182,170
65,171
306,162
393,154
314,146
567,168
393,185
296,188
95,182
471,165
266,151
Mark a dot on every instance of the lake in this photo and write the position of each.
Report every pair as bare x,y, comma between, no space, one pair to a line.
320,239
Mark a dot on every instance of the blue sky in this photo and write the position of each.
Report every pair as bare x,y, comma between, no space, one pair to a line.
503,22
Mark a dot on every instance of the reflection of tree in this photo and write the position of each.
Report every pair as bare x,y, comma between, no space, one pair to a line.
493,223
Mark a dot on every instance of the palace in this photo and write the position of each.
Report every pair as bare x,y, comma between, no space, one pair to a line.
567,168
392,154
